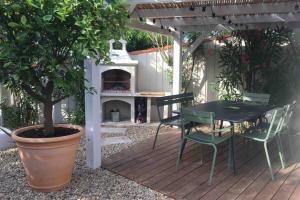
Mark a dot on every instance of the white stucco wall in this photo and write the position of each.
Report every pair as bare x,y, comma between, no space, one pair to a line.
152,73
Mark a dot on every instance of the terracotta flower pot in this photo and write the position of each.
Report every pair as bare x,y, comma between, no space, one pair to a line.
48,162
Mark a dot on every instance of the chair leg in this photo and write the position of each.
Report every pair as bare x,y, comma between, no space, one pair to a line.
280,151
213,164
229,156
290,141
201,153
180,155
247,144
221,126
268,159
156,136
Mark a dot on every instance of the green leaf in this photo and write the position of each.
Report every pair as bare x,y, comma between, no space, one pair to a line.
21,36
16,7
47,18
13,24
29,2
24,20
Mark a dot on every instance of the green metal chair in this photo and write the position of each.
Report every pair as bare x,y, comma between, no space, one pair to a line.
256,98
267,133
175,120
205,118
285,126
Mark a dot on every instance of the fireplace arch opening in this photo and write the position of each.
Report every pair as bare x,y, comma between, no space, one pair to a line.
113,107
115,80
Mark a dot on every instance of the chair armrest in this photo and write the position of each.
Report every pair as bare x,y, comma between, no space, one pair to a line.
226,129
176,112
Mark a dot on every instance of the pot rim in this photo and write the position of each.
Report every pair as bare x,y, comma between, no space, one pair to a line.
17,138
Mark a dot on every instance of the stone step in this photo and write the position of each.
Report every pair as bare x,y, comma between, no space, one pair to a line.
115,140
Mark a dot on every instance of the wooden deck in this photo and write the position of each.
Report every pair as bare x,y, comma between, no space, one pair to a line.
156,169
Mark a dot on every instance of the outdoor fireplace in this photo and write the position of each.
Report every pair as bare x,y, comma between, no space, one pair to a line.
120,100
116,80
118,84
116,106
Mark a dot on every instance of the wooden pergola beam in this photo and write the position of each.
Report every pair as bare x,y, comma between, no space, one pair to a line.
244,27
194,46
242,19
224,10
148,27
155,1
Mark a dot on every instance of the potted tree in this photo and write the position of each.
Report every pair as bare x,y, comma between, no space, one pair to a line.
42,47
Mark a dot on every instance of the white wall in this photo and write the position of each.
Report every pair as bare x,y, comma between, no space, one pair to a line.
152,73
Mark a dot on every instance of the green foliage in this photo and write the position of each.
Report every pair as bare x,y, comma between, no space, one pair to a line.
282,79
23,113
76,116
253,60
193,64
138,40
43,44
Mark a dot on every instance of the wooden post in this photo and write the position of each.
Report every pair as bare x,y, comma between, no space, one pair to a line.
92,115
177,62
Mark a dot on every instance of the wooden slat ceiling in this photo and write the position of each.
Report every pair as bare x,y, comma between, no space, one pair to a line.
235,14
200,3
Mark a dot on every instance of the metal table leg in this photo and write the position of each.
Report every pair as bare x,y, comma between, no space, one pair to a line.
232,148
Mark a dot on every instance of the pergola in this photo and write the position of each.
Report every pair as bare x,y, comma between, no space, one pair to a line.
173,18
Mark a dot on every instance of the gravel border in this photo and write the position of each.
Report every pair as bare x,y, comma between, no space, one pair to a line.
86,183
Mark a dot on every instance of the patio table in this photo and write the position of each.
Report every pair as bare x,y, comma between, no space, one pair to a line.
233,112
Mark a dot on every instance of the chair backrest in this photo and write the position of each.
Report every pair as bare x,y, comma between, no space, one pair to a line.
173,99
205,118
276,122
289,109
256,98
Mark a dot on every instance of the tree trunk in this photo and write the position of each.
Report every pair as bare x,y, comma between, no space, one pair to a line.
48,120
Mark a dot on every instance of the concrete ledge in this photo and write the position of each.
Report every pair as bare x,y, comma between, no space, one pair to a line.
6,141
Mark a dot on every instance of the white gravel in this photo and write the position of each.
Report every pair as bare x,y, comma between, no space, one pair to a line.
86,183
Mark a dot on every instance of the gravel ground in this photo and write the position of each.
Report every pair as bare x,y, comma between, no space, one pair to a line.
86,183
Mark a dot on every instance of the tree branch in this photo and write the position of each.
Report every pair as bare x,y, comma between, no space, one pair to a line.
59,99
32,93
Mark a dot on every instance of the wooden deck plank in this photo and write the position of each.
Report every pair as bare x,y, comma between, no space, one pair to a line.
256,186
184,186
204,188
192,155
289,185
185,169
152,155
247,180
271,188
166,177
296,193
156,169
227,183
154,163
140,149
188,160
